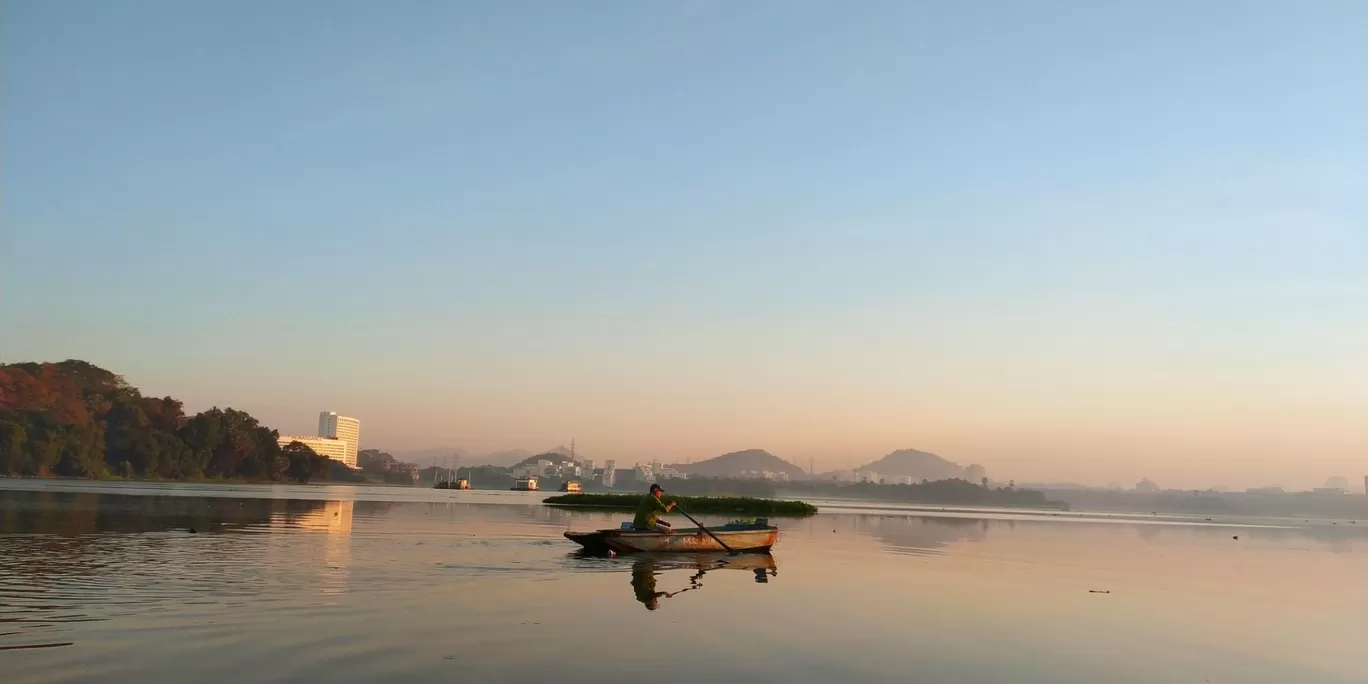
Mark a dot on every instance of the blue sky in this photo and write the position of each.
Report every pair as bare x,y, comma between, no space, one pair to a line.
1067,240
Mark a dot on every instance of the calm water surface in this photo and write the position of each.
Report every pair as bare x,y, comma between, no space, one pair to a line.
105,583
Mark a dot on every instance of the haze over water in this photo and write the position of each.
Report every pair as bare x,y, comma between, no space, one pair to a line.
104,582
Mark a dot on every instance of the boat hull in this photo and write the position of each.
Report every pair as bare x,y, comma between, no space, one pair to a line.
682,540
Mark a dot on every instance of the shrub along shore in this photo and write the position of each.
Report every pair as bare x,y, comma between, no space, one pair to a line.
695,505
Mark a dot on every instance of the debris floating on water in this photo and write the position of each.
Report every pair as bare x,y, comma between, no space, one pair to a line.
1099,591
192,531
1235,537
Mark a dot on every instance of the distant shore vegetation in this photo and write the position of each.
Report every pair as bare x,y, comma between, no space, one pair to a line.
695,505
950,492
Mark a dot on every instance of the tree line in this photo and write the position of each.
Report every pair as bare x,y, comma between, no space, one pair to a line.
76,419
953,492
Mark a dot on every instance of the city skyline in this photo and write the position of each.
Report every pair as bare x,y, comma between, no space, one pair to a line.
851,466
1065,241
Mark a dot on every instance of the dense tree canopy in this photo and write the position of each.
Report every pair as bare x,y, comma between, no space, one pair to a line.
376,465
76,419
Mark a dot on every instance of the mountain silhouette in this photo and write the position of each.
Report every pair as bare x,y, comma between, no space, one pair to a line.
915,464
736,463
501,459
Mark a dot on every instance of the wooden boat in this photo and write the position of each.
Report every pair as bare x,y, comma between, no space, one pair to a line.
759,536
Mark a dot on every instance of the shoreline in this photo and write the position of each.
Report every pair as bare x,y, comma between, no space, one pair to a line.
828,505
204,481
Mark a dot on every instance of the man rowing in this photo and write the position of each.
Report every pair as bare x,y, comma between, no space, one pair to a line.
649,510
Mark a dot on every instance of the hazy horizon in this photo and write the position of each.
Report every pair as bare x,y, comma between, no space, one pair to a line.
1066,242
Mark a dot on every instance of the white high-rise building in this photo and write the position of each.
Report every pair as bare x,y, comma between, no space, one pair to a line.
333,426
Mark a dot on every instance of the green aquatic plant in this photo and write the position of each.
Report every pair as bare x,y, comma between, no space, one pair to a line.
716,505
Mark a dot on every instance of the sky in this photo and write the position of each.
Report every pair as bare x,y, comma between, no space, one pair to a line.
1069,241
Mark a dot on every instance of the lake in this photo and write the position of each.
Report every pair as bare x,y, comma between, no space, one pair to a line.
104,582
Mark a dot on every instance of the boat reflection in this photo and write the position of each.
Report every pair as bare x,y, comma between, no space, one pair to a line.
646,570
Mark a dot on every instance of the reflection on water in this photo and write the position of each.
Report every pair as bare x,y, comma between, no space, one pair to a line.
79,557
647,569
102,583
918,535
332,521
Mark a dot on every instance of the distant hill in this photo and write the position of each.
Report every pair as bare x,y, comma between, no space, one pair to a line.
552,456
505,459
426,457
737,462
501,459
916,464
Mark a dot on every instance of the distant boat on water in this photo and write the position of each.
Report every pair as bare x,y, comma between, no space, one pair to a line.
526,483
446,478
571,486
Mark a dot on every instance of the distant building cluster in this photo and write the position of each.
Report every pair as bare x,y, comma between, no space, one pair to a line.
337,438
866,476
1146,486
655,470
610,475
584,470
563,470
764,475
872,477
1334,486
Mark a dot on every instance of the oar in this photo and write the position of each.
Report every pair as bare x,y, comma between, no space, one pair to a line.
701,527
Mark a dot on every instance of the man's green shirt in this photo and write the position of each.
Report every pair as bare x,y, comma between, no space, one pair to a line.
648,512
